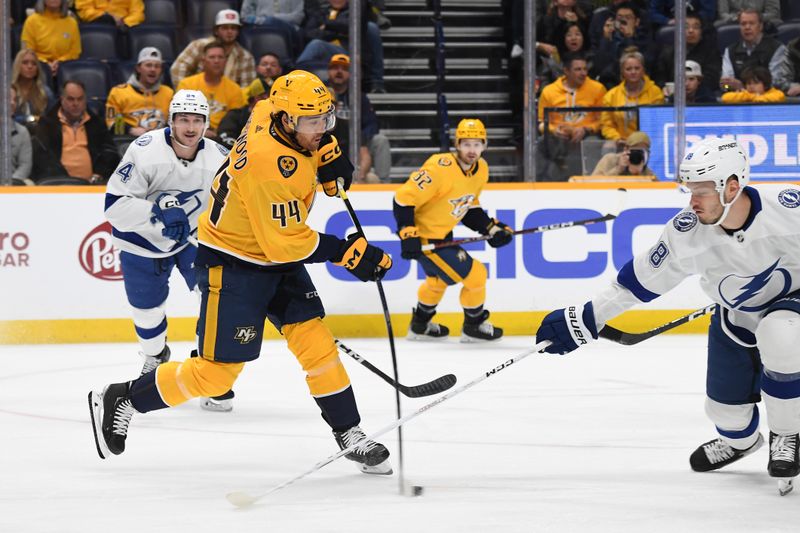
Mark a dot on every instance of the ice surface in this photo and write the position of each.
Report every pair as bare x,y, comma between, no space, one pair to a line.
595,441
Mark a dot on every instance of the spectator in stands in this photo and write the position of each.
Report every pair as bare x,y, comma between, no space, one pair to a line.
632,161
662,12
72,141
793,57
572,42
698,49
628,32
34,96
757,88
222,92
728,10
280,12
141,104
240,65
636,89
552,27
121,13
269,68
52,33
231,125
603,9
329,37
20,139
374,151
696,91
567,130
754,49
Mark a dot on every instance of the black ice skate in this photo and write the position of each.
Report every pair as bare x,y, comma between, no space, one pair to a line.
478,328
151,362
111,412
219,404
372,457
422,329
784,461
717,453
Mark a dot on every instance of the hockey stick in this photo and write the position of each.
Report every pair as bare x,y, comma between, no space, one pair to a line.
435,386
244,499
629,339
388,319
611,215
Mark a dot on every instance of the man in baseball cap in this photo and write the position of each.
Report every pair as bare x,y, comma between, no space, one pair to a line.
141,104
696,91
240,65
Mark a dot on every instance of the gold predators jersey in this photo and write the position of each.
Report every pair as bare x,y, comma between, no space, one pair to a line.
261,197
137,108
442,193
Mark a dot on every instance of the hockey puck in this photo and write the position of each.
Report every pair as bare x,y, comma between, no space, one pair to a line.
416,490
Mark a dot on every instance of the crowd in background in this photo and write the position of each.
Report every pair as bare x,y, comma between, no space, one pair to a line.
620,53
91,75
110,67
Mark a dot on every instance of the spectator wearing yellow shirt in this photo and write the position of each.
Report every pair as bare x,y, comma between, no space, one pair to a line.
52,33
119,12
141,104
567,129
757,88
223,93
635,89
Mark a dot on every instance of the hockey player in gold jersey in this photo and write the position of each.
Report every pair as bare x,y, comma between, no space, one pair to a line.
442,193
254,243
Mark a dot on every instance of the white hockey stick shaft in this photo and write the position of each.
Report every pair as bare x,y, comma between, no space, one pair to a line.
243,499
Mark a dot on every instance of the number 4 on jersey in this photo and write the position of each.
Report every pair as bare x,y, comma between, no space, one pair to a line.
281,212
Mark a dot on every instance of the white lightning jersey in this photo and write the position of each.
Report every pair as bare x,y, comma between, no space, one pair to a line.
148,169
743,272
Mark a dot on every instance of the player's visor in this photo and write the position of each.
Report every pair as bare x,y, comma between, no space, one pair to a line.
316,123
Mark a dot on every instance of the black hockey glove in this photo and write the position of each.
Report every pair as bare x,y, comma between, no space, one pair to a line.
333,164
410,244
500,234
361,259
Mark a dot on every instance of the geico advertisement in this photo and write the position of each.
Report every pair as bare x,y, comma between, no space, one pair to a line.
57,259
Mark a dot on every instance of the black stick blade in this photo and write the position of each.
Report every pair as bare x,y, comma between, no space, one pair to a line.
436,386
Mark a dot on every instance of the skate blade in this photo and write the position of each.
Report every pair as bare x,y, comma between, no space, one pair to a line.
216,406
466,339
96,413
425,338
785,486
382,469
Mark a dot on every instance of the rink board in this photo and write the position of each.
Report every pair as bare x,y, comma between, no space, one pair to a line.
60,279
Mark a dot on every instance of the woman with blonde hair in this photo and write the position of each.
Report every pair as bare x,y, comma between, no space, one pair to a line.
34,96
52,33
635,89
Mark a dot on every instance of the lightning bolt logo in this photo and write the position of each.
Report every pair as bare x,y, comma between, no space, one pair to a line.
754,286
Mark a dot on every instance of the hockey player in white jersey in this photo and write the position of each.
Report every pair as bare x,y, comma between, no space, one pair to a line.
744,242
153,201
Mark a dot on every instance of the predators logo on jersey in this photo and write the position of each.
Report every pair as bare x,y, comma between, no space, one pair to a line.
461,205
441,193
287,165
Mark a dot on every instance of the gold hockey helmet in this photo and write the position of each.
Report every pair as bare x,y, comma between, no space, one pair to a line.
470,128
305,99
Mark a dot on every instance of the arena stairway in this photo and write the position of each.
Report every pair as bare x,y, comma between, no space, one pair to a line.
476,82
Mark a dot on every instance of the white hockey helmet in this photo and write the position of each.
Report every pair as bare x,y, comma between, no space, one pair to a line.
188,101
716,160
